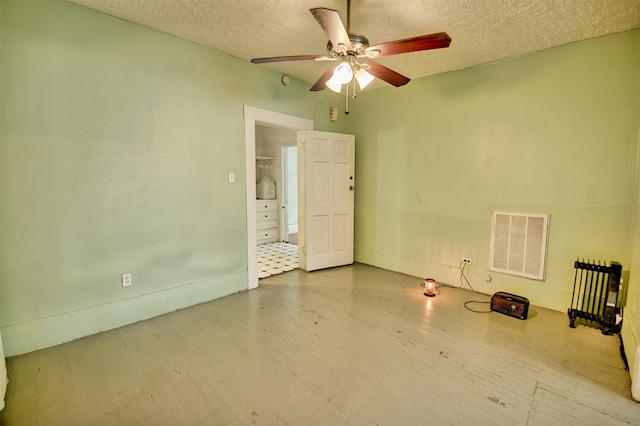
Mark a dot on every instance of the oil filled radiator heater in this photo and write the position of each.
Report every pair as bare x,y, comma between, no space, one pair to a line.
595,295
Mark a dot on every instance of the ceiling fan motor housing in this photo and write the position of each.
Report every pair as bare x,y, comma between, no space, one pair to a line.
359,44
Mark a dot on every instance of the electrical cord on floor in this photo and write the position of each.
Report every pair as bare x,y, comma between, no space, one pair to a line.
463,265
463,279
447,285
463,276
473,310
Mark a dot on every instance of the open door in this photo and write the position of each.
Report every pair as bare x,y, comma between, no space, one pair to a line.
326,187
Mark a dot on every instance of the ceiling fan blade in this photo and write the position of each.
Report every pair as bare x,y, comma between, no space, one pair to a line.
320,84
413,44
386,74
332,25
288,58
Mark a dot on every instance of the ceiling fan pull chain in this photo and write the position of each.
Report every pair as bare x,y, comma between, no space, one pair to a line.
346,100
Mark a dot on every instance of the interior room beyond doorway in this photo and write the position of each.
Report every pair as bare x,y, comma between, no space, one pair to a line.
276,200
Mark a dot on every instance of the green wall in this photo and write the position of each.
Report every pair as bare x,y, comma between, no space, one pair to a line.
115,147
553,132
3,368
116,141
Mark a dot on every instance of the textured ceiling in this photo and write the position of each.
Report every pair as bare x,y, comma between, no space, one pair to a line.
482,31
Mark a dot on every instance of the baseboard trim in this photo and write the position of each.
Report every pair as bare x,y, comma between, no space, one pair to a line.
41,333
635,377
407,265
632,351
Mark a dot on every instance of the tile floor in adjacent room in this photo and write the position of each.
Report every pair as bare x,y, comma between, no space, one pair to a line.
276,258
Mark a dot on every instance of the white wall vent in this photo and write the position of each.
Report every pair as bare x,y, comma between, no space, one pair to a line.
519,244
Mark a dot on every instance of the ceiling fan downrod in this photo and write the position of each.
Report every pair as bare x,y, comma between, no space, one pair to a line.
349,17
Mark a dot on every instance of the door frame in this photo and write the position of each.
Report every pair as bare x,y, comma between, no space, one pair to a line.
284,169
253,116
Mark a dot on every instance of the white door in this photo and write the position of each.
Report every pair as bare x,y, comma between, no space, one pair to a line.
326,187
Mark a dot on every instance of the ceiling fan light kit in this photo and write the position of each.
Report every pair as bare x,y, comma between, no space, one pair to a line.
343,72
355,54
334,83
363,78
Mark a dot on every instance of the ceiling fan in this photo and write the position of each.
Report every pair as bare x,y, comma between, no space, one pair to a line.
355,55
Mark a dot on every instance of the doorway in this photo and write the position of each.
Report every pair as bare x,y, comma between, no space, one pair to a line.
253,117
276,204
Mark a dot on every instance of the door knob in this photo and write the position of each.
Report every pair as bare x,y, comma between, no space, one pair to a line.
351,188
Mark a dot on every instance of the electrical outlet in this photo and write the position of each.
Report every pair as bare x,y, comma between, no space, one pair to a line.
466,260
127,280
333,114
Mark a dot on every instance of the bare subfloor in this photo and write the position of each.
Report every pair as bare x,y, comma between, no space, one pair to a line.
354,345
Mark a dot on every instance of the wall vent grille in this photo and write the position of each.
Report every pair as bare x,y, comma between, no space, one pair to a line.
519,244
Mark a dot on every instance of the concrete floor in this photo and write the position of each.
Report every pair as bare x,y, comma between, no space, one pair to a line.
353,345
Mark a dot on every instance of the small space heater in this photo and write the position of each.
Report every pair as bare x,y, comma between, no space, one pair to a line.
510,304
595,295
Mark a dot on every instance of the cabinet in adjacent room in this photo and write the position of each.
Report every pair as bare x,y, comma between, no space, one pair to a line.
267,221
